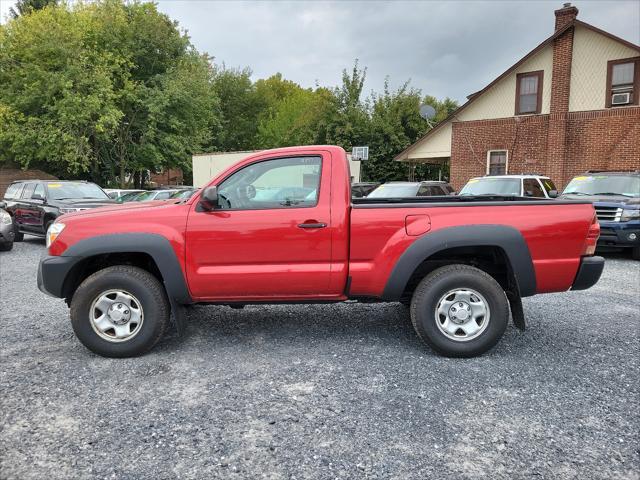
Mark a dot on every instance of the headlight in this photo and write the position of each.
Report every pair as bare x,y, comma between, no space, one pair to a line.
5,218
54,230
68,210
630,214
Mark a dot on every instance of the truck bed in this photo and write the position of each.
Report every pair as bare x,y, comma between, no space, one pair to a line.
554,232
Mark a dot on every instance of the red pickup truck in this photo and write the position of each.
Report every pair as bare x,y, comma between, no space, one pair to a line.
281,227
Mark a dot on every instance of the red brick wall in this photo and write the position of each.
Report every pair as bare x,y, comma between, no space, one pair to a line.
603,139
170,177
8,175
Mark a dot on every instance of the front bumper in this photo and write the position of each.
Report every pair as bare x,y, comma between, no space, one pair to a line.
588,273
53,272
619,234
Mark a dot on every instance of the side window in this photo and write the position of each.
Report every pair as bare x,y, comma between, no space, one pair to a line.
281,183
39,191
163,195
27,193
423,191
13,191
532,188
548,184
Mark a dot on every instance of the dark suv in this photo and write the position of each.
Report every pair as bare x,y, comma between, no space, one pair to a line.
35,204
616,198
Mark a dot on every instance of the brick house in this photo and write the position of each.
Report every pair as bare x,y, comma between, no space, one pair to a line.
569,105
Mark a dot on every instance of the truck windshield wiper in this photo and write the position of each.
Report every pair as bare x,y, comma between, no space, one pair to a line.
613,193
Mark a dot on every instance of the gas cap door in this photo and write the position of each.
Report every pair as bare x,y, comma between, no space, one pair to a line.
416,225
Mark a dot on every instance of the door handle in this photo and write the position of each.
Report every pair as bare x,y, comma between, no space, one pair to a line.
312,225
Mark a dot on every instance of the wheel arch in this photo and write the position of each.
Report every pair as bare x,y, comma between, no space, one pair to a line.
469,244
151,252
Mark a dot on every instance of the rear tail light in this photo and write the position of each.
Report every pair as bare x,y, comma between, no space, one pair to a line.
592,237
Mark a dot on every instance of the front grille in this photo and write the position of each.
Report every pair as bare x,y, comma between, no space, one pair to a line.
608,214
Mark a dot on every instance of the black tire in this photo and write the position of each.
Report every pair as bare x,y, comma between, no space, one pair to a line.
149,293
17,235
437,284
5,247
635,253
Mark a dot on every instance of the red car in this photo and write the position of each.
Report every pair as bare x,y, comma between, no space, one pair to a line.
281,226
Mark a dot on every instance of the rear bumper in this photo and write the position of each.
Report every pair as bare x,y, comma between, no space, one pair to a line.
588,273
52,273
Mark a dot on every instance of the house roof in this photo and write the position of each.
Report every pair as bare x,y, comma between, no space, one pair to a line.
474,96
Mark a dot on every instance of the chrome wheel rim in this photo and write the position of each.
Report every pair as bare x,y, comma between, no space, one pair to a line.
462,314
116,316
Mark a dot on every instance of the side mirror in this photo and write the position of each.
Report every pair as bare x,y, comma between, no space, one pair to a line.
37,196
3,204
528,193
553,193
209,198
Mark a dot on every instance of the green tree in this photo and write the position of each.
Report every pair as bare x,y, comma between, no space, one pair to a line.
102,90
240,107
24,7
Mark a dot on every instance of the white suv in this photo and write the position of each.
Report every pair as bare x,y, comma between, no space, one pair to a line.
516,185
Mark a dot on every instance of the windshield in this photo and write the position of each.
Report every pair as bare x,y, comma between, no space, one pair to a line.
394,190
492,186
627,185
75,190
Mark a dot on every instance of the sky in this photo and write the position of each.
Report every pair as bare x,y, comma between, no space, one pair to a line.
445,48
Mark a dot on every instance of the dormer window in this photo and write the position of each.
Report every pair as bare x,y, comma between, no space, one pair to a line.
529,93
623,82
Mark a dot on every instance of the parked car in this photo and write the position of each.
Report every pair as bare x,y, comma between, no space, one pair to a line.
151,195
616,198
6,229
411,189
362,189
35,204
463,269
184,194
536,186
117,193
129,197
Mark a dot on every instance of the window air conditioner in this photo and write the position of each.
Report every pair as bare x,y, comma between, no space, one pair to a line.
621,98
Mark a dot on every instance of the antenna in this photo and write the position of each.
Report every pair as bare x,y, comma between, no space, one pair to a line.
428,113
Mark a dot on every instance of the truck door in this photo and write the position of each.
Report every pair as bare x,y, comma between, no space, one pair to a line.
270,236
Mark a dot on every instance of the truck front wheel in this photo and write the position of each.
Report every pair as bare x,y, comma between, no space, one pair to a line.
120,311
459,311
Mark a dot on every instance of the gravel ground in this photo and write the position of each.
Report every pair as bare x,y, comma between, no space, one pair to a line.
329,391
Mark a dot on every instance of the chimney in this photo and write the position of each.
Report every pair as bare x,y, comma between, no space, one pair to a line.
565,15
560,91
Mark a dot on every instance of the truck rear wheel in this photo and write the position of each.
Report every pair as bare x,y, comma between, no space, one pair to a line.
459,311
120,311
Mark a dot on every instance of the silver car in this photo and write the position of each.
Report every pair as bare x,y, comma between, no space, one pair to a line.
7,232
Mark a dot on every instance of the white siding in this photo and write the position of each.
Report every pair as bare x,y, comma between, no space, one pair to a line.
591,52
500,100
437,145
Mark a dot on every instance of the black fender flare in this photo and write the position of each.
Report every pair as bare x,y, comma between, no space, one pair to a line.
157,246
509,239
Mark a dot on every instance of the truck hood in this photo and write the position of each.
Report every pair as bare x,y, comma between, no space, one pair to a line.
619,199
82,202
122,207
